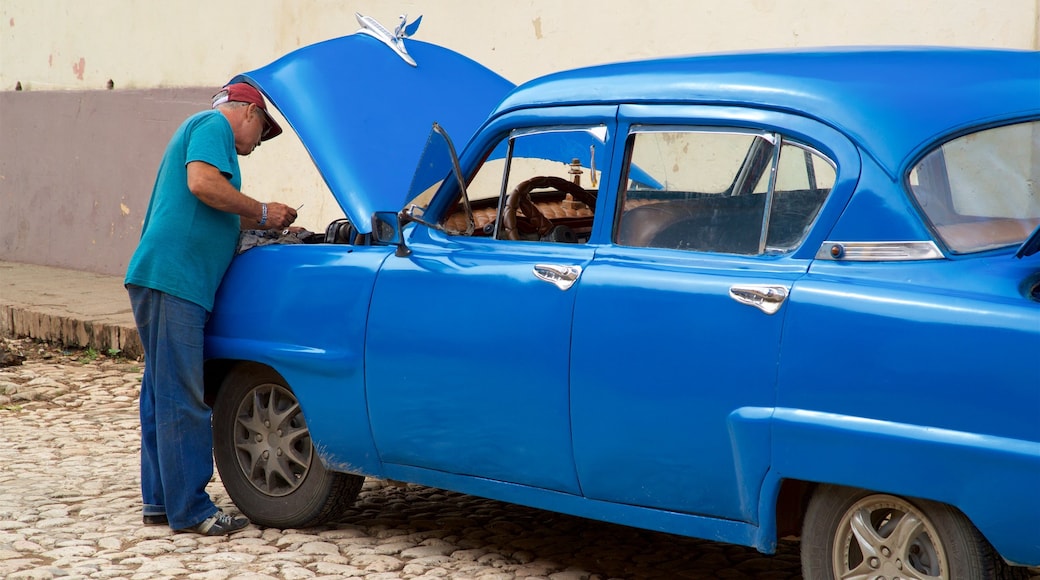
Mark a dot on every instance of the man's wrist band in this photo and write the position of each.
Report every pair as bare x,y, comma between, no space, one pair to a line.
263,215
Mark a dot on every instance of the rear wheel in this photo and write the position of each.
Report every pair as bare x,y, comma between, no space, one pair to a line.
853,533
266,458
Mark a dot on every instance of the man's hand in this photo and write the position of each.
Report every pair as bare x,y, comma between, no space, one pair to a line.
279,216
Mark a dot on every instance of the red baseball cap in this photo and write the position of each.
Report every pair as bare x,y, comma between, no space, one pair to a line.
246,93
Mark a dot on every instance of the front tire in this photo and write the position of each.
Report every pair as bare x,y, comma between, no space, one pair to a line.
266,458
853,533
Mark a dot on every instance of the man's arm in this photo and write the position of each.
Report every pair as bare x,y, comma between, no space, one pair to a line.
208,184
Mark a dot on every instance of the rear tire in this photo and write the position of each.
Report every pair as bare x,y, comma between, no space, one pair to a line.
266,458
855,533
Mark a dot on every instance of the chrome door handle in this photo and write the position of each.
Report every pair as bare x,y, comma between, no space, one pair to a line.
562,276
766,298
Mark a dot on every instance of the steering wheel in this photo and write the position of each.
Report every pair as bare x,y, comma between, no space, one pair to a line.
520,198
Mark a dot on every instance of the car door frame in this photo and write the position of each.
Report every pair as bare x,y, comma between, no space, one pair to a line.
419,424
747,424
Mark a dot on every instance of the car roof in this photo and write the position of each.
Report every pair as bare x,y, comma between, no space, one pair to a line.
891,101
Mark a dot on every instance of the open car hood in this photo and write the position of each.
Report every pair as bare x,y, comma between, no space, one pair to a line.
363,112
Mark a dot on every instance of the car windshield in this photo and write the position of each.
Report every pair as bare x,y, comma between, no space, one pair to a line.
982,190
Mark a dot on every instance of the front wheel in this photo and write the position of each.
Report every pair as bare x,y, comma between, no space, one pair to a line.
853,533
265,456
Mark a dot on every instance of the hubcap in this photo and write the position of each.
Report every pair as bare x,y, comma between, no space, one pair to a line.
272,442
883,537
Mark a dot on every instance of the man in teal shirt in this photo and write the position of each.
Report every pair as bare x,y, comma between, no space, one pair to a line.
188,239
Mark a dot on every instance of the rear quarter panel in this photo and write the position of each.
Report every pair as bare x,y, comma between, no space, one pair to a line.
920,379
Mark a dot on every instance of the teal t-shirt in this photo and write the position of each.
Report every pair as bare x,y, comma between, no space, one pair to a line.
186,245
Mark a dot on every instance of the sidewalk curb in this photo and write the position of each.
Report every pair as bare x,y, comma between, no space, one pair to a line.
22,322
67,307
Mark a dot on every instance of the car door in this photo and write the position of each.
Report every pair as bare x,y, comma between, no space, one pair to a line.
678,320
476,383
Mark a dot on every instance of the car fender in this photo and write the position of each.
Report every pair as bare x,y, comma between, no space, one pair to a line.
302,310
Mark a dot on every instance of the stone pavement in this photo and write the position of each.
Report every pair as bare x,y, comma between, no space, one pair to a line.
66,307
69,508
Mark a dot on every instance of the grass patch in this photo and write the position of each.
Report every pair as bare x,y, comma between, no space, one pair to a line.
90,355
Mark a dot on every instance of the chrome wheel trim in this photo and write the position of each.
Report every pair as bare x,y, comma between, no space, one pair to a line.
272,442
883,536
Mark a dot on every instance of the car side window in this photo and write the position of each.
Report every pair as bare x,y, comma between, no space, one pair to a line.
536,185
723,191
981,191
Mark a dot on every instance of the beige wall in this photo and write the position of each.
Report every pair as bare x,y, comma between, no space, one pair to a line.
77,44
63,53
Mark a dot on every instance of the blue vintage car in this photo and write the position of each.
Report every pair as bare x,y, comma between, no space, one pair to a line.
736,297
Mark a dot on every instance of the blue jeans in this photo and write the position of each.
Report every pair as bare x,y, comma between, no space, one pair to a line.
176,431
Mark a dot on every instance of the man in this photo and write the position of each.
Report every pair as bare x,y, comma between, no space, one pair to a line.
188,239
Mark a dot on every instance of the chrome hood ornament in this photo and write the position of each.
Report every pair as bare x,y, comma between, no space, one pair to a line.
395,39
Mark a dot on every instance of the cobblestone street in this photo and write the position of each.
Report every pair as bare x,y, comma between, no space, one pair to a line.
69,508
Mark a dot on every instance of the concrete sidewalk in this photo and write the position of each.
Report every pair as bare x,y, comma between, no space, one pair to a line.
69,307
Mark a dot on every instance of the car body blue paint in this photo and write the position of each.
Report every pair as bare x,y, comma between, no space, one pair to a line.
306,318
645,395
463,380
660,520
890,330
922,461
879,199
672,417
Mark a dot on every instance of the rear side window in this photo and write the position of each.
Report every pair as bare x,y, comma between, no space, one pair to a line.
982,191
720,191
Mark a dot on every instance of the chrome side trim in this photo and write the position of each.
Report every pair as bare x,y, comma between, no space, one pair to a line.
879,251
